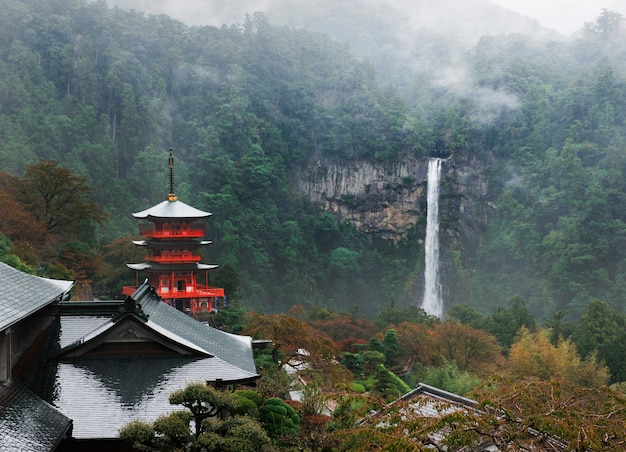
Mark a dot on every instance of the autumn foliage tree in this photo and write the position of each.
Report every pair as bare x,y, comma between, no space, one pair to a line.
471,349
294,342
50,217
513,416
344,329
578,418
25,232
533,355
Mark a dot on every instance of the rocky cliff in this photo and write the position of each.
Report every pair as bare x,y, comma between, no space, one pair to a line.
389,199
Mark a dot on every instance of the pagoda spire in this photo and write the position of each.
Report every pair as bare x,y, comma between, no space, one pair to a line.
171,196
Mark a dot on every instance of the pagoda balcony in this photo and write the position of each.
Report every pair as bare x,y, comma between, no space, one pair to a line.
174,258
199,291
170,233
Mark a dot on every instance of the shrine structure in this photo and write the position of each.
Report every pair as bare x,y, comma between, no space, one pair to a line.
173,236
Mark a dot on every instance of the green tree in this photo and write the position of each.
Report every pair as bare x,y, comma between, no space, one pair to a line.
278,418
602,330
62,200
504,323
204,406
450,378
203,402
392,347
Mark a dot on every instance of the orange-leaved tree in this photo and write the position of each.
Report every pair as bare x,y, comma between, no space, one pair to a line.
471,349
294,342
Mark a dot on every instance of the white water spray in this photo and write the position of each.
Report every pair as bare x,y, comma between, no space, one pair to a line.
432,302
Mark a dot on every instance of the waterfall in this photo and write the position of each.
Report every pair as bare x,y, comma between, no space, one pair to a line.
432,302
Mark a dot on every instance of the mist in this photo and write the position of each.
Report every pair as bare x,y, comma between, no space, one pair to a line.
406,40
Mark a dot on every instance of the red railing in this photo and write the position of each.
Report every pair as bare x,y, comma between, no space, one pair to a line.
188,292
174,258
164,234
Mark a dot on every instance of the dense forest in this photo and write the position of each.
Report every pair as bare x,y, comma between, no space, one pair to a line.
92,97
105,92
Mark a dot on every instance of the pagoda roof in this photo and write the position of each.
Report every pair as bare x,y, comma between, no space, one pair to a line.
167,244
165,267
24,294
172,209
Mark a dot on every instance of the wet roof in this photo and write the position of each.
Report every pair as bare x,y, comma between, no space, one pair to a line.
172,209
24,294
102,395
231,348
27,423
173,325
126,388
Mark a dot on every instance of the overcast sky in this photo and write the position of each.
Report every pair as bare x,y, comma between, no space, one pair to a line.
565,16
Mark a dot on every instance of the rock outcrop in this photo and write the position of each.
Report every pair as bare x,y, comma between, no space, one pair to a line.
389,199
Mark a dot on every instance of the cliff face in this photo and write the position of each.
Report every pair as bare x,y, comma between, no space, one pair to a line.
389,199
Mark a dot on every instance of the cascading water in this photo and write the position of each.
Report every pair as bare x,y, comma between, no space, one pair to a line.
432,302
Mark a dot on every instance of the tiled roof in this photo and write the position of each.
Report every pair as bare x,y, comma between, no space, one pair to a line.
101,395
172,209
231,348
27,423
172,324
427,391
24,294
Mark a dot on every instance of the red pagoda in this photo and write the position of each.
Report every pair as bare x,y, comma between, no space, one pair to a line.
173,234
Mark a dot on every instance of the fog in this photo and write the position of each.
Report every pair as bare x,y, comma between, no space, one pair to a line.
471,18
406,40
564,16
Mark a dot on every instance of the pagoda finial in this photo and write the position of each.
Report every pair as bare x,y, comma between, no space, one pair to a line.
171,196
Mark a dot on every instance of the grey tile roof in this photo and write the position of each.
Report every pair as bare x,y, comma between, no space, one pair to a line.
24,294
172,209
427,391
234,350
231,348
103,394
73,327
27,423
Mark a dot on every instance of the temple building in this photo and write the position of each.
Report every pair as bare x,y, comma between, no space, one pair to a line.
173,236
111,364
72,373
27,308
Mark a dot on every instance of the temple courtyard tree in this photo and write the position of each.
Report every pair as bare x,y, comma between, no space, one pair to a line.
205,425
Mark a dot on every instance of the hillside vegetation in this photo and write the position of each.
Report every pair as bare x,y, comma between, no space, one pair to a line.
106,92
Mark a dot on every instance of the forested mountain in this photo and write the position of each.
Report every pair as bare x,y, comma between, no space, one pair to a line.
105,92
